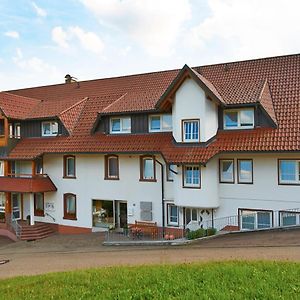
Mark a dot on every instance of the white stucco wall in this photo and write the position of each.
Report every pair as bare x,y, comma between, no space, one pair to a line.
264,193
190,103
90,184
205,197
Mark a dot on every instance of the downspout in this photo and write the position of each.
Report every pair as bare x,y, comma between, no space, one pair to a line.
162,196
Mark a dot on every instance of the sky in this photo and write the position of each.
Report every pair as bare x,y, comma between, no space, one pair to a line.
41,41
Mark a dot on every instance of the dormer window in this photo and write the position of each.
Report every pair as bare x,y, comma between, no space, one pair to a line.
49,128
120,125
158,123
239,119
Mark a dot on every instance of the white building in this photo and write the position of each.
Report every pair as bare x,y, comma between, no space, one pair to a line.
185,148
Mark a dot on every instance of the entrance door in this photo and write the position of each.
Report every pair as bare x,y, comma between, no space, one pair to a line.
16,205
122,214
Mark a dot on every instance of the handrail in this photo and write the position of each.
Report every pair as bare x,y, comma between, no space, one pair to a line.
47,214
23,175
15,226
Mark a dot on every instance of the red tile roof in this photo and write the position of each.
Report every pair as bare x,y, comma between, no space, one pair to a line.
16,107
273,83
26,185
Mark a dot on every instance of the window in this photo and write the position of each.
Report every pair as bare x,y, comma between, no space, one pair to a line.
191,176
1,168
49,128
70,206
17,130
190,130
289,218
39,166
226,171
111,167
239,119
2,127
170,172
289,171
160,123
173,215
255,219
39,204
245,171
69,166
2,207
147,167
120,125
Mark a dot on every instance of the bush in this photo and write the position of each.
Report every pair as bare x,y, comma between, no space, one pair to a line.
211,231
191,235
199,233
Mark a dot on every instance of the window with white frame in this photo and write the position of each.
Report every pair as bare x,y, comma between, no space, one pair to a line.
173,215
226,170
1,168
147,168
289,218
255,219
49,128
191,176
159,123
239,119
289,171
120,125
245,171
190,130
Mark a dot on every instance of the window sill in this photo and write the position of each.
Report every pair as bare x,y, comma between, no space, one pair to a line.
148,180
70,218
111,178
227,182
289,183
192,187
246,182
173,225
69,177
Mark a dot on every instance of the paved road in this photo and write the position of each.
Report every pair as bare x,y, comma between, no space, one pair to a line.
62,253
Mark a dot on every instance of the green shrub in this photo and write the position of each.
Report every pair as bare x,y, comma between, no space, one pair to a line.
191,235
211,231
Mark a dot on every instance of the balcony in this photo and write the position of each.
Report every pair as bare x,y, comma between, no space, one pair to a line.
26,183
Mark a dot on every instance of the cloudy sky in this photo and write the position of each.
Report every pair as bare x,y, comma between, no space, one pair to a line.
43,40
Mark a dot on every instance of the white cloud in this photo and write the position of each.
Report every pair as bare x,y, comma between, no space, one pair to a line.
34,65
88,40
154,24
250,28
12,34
59,36
39,11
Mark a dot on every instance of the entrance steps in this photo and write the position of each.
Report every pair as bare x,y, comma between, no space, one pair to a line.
35,232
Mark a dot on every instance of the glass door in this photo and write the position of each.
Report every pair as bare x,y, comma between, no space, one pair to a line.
2,207
16,205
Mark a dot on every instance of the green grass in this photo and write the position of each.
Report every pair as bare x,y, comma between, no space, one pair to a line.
221,280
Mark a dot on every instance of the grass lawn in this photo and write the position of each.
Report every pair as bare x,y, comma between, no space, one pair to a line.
221,280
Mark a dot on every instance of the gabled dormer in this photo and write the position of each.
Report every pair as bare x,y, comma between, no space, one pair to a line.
194,103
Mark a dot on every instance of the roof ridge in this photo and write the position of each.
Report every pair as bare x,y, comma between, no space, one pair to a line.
114,102
73,105
199,74
249,60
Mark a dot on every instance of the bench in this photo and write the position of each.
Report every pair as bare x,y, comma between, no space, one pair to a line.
141,228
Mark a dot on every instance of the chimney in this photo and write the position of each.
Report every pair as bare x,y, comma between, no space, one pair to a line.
68,78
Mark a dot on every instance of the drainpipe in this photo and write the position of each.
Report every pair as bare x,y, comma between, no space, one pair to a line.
162,196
